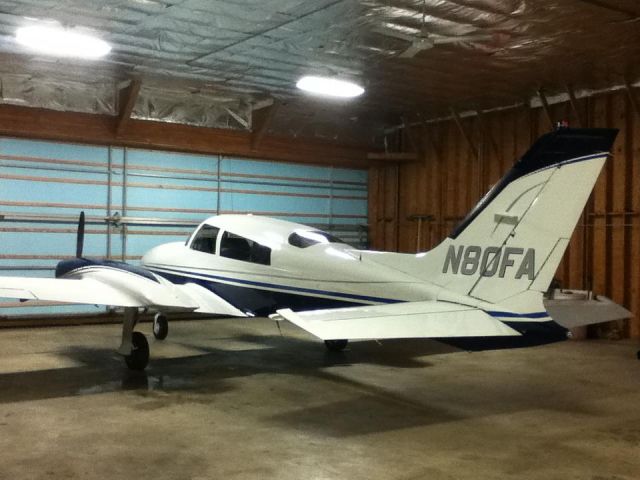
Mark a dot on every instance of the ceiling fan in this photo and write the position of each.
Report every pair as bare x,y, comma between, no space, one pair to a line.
425,41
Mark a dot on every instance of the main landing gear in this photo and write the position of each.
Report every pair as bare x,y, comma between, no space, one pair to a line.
134,346
160,326
336,345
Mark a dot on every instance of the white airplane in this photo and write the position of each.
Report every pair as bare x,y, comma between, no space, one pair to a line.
482,285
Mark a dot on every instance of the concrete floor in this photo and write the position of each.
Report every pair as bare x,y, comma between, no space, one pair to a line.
232,399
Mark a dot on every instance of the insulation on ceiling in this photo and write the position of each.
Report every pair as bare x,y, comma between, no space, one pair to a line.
206,62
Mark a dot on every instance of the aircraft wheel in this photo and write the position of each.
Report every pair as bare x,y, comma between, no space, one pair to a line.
336,345
138,359
160,326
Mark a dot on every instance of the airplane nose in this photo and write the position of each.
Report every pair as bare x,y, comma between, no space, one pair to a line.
156,253
145,258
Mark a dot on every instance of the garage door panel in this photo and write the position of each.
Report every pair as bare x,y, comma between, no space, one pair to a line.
162,196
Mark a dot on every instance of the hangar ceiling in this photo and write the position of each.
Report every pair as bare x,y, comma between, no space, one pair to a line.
212,63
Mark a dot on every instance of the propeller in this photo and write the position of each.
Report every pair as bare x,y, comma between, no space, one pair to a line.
80,236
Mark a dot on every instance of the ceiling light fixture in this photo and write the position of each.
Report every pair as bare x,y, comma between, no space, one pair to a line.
61,42
330,87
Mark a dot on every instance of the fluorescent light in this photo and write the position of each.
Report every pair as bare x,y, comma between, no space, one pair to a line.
331,87
61,42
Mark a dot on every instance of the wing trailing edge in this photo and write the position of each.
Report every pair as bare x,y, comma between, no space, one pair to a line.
105,285
94,291
428,319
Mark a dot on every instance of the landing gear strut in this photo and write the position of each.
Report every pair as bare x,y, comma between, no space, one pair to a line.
336,345
134,346
160,326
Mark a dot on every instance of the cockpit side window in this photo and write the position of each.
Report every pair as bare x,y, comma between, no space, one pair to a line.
240,248
306,238
205,239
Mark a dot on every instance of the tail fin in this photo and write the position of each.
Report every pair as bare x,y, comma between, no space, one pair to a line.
508,248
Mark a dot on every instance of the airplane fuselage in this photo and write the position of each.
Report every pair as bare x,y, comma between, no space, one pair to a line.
322,275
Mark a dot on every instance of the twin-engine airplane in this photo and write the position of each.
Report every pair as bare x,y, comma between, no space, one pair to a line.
483,284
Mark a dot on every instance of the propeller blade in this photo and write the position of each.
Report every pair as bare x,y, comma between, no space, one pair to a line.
80,237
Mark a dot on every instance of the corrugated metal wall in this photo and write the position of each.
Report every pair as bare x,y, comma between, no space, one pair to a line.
159,196
448,180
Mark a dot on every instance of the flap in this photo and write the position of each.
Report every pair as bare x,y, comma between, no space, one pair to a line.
208,301
429,319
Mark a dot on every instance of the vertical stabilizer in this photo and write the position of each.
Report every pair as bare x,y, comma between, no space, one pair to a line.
508,248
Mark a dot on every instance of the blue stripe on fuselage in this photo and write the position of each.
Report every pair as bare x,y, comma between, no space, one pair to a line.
345,296
260,301
518,315
352,299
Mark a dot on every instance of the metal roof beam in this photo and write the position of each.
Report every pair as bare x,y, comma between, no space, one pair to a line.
127,100
260,121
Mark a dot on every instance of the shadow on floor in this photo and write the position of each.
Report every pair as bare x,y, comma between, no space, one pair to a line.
365,406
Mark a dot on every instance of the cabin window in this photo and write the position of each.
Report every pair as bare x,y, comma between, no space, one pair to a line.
306,238
205,239
240,248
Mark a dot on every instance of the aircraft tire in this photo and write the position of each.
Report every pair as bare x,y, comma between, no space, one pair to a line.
160,326
138,359
336,345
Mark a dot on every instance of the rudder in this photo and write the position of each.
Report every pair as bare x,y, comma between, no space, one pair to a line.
508,248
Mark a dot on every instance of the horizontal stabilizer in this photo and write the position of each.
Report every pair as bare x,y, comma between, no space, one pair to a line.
578,310
427,319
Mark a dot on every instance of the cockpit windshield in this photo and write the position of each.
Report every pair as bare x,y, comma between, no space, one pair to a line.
306,238
205,238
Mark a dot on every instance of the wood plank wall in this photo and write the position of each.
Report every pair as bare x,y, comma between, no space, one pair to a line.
448,180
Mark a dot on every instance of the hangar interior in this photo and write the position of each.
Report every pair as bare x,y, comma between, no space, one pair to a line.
136,199
195,112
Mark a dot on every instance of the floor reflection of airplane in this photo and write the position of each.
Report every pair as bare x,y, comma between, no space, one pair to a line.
483,284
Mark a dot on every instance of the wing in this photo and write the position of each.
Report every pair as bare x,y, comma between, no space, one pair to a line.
430,319
112,287
82,290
